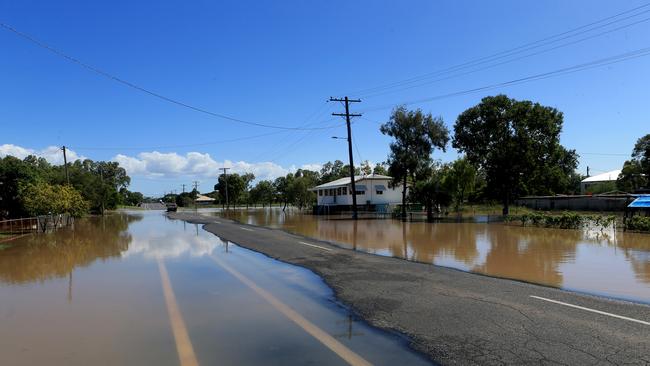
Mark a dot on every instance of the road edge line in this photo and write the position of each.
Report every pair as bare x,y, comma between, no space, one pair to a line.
591,310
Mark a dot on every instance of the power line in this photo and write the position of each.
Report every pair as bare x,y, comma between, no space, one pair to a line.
503,62
563,71
142,89
511,51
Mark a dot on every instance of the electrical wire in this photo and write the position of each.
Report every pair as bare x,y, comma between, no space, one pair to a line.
559,72
509,52
504,62
142,89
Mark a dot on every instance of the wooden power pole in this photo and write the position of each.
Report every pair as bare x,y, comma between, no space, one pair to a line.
65,165
225,179
347,116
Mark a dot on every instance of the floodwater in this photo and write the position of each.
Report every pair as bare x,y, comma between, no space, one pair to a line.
139,289
604,262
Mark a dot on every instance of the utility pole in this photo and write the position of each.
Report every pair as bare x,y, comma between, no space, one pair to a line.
65,165
587,171
347,116
196,189
225,179
183,187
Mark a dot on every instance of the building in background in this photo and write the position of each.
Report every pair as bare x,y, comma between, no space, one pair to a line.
603,182
373,194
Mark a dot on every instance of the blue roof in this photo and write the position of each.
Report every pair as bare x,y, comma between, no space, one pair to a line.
640,202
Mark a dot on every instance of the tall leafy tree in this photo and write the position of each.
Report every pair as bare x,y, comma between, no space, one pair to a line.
517,145
459,181
636,171
415,136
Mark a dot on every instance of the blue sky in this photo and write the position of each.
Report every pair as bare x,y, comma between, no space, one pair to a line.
277,62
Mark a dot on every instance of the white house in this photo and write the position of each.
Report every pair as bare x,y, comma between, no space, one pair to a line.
372,189
203,200
598,179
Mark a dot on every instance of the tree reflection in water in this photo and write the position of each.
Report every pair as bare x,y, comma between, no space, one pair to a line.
41,257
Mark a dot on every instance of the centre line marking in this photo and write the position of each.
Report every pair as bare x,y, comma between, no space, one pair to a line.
184,347
330,342
244,228
592,310
315,246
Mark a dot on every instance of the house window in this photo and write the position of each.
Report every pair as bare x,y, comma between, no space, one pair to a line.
344,190
380,192
320,192
360,193
338,191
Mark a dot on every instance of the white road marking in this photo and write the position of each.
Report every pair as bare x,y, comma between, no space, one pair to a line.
592,310
315,246
327,340
247,229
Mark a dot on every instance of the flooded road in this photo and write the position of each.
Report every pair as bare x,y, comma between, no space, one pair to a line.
139,289
607,263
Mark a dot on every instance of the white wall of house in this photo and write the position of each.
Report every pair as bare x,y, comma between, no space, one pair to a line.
375,191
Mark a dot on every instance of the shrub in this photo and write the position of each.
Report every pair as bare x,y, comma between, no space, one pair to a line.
638,223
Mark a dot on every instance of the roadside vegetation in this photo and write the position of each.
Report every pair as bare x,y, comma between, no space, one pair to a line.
32,186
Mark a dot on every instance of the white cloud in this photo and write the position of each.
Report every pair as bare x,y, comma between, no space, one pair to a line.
195,164
155,164
52,154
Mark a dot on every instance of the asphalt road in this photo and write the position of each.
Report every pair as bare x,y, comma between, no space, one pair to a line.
461,318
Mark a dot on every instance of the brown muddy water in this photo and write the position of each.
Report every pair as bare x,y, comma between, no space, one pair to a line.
139,289
604,262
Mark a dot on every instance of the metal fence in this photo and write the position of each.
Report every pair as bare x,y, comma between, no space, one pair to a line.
41,224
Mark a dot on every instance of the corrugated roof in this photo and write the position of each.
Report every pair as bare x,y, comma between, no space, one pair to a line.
202,198
640,202
345,181
604,177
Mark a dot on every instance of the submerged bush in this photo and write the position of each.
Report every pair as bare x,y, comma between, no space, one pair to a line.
638,223
566,220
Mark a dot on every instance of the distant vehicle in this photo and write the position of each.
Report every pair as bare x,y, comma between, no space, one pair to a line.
171,206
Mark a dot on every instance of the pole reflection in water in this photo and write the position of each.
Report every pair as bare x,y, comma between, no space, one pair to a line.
605,262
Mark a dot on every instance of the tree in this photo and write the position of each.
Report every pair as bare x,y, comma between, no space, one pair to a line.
42,198
365,168
459,181
517,146
415,136
282,186
333,171
636,171
237,186
299,191
263,192
429,189
380,169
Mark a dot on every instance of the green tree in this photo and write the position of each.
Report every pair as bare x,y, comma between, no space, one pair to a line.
636,171
517,146
333,171
415,136
42,198
429,189
237,186
380,169
299,192
263,192
282,186
459,181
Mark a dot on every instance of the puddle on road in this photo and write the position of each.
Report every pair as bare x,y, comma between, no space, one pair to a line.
93,295
607,263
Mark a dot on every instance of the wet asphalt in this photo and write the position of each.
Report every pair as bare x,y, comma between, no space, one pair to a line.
460,318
